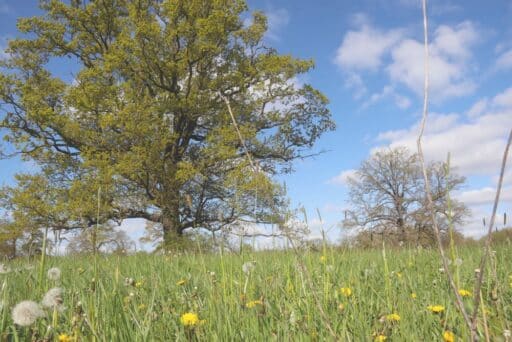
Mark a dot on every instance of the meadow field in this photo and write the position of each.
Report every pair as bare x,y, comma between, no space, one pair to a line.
356,295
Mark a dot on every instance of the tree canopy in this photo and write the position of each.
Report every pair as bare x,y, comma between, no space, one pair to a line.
143,119
387,196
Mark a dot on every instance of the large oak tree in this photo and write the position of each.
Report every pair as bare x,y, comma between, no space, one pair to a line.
143,124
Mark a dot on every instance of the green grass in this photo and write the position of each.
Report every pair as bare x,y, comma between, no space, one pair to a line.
214,290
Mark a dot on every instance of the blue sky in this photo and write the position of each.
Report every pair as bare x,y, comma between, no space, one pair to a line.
369,63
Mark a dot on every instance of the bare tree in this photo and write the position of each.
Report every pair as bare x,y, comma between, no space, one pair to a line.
387,196
108,240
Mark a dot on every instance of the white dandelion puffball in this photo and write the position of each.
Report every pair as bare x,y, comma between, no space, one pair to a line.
248,266
54,273
53,299
4,269
26,313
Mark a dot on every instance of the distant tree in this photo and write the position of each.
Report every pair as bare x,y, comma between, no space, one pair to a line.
145,117
107,239
8,239
387,197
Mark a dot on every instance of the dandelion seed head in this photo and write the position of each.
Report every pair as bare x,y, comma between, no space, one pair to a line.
4,269
53,299
26,313
248,266
54,273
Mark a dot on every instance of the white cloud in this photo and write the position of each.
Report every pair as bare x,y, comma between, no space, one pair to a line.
277,19
504,60
449,53
363,49
388,91
504,99
354,82
476,144
478,108
484,196
343,177
370,49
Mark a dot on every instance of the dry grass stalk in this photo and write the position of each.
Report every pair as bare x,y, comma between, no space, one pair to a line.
430,202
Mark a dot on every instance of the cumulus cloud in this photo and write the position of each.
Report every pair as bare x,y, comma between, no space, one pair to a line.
450,52
394,54
475,143
364,48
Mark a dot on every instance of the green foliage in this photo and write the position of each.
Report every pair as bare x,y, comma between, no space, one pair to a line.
144,120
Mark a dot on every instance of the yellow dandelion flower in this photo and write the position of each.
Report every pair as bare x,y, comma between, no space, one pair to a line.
394,317
448,336
253,303
65,338
346,291
181,282
436,308
323,259
189,319
413,295
139,284
464,293
380,338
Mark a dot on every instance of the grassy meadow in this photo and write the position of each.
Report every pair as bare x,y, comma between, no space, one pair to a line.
399,295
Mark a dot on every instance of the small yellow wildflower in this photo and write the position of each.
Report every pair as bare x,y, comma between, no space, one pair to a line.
253,303
341,307
323,259
394,317
139,284
189,319
464,293
436,308
413,295
399,275
181,282
65,338
346,291
142,307
381,338
448,336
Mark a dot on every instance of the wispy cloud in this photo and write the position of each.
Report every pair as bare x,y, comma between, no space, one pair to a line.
343,177
277,20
